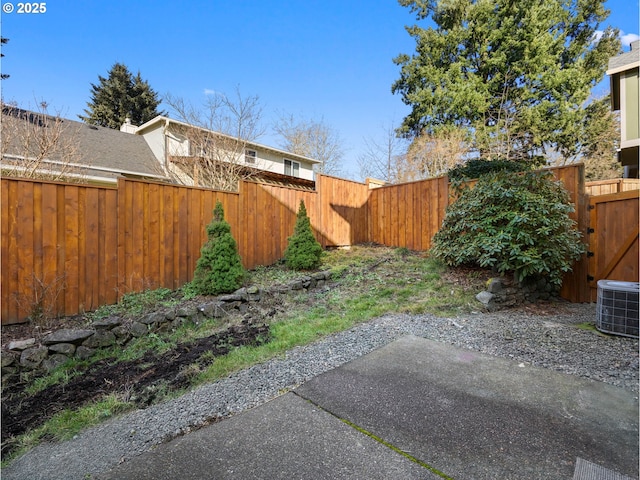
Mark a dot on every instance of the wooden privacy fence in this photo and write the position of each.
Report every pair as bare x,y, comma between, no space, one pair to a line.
71,248
409,214
605,187
67,249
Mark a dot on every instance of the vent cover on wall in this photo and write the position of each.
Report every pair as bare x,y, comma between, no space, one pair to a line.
617,307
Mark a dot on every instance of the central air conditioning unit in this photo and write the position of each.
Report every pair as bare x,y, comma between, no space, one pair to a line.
617,307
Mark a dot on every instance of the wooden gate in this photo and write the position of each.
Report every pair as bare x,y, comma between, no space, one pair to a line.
613,238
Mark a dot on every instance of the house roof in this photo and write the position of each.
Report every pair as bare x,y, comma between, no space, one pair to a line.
101,152
161,119
625,61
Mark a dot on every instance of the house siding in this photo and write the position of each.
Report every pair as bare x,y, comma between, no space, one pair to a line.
275,163
175,144
155,140
629,94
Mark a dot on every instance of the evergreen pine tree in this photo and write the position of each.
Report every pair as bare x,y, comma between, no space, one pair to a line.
219,268
121,96
515,74
303,251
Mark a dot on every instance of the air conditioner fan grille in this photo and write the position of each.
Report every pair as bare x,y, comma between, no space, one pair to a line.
617,307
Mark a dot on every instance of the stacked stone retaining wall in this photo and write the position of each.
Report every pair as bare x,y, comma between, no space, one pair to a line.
505,292
58,347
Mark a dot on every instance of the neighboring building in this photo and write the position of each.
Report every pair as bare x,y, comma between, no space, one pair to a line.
176,144
38,145
623,73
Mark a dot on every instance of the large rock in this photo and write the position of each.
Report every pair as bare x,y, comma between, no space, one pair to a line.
296,285
494,285
326,275
101,338
67,335
253,294
84,353
153,318
107,323
138,329
33,357
213,309
232,297
54,361
485,297
63,348
21,344
122,334
186,312
7,359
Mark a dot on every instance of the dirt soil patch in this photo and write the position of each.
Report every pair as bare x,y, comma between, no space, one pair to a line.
139,381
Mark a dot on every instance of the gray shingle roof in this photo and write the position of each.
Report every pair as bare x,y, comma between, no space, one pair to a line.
99,149
618,62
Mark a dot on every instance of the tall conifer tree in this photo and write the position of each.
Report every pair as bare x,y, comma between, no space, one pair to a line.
120,96
515,74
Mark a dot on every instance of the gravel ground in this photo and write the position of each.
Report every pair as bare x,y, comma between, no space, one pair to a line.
547,337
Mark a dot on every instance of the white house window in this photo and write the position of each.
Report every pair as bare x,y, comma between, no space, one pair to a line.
291,168
250,156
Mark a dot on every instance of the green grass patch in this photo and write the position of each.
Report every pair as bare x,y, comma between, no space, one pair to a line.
66,424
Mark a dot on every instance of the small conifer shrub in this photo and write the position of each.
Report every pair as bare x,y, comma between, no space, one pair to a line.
303,251
219,268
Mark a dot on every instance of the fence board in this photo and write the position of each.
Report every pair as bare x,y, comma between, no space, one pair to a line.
5,306
24,237
574,284
91,245
50,272
606,187
37,234
72,251
82,251
426,213
109,233
180,249
62,251
154,267
441,186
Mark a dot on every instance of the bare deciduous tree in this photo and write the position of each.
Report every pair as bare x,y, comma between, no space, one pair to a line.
433,155
312,139
38,145
383,158
211,144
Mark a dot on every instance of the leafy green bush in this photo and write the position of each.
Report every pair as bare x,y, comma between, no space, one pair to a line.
219,269
303,251
477,167
512,223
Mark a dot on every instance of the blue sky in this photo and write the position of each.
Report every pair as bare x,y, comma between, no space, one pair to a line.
328,60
